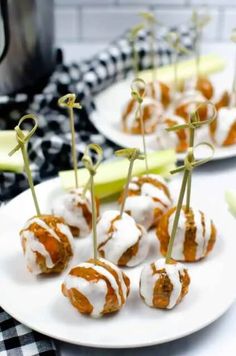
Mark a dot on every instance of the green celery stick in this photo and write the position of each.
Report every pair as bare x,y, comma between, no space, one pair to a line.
230,197
111,176
14,163
209,64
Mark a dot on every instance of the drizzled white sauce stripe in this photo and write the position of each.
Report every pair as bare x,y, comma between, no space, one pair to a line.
148,189
149,279
154,90
156,111
125,235
178,247
33,245
225,120
64,229
43,225
201,239
69,208
141,207
119,273
96,292
105,273
208,231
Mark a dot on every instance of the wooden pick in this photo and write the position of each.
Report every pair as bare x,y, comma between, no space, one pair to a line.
92,168
131,154
194,123
173,40
135,57
150,23
68,101
138,90
189,164
22,140
199,21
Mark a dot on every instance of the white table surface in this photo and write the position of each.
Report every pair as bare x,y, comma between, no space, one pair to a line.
218,338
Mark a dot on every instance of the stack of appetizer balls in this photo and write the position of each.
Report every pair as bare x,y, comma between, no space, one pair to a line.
99,286
162,110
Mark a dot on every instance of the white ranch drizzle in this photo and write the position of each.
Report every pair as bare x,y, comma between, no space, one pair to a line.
156,88
200,239
148,281
156,177
42,224
207,236
33,245
178,247
148,189
133,186
124,288
141,208
126,235
168,139
96,292
190,96
143,248
64,229
67,207
225,120
156,113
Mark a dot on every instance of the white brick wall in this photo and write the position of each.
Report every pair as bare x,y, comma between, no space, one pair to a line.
103,20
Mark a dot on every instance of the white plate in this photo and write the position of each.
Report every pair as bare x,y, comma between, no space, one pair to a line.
107,119
39,303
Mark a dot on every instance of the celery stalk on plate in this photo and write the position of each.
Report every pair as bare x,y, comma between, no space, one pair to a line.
209,64
111,175
14,163
230,197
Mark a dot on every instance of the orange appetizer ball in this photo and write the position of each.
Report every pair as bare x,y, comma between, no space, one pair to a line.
223,101
159,92
163,285
121,240
76,210
96,287
204,85
148,199
195,236
186,106
223,129
47,244
151,111
172,139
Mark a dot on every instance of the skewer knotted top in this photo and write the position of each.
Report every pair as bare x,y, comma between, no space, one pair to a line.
138,89
68,101
87,159
21,137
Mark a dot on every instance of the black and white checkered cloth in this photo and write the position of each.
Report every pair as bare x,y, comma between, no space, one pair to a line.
50,149
18,340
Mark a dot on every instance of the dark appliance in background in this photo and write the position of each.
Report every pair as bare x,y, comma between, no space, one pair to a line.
27,54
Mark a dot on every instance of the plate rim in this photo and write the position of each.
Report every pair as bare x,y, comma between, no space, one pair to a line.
210,320
126,346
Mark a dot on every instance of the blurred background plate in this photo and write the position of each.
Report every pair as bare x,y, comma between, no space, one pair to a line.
111,102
